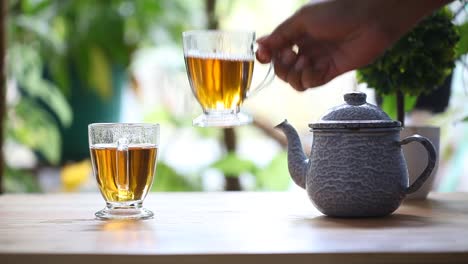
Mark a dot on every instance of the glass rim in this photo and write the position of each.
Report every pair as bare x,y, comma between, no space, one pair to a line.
217,32
144,125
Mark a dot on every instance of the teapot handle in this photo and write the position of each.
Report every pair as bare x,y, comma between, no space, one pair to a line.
431,161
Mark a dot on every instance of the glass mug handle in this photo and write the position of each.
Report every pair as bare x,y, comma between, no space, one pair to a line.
269,77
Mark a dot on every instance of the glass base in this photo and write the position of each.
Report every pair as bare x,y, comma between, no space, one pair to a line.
124,211
222,119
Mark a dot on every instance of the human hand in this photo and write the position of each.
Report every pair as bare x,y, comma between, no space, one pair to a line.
323,40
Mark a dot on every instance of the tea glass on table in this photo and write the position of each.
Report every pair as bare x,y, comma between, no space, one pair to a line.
124,157
220,67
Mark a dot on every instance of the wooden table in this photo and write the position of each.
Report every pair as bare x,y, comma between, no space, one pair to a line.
229,228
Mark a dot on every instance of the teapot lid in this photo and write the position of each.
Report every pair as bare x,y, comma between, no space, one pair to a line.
355,113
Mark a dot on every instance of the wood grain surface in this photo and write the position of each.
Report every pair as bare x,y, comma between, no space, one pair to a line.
234,227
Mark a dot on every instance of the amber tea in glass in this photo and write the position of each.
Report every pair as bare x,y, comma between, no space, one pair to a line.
124,176
124,162
219,83
220,66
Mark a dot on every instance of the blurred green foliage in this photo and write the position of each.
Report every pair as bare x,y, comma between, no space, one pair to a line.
417,64
462,45
27,121
233,164
168,179
90,36
20,181
49,40
389,104
99,34
274,176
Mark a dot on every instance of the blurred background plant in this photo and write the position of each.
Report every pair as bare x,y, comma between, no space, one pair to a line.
418,63
71,57
422,75
74,62
230,167
71,62
28,125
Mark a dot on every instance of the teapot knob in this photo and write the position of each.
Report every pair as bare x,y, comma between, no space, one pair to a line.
355,98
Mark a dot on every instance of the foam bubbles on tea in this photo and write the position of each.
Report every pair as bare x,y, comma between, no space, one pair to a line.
219,56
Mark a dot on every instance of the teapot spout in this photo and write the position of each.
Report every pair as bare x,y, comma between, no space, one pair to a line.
298,163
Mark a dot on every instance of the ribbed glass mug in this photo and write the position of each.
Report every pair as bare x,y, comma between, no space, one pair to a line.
124,158
220,67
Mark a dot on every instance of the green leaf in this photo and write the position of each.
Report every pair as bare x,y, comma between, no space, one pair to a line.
35,128
60,71
462,45
410,102
419,62
275,176
26,66
89,38
465,119
232,164
389,104
39,27
100,73
34,6
167,179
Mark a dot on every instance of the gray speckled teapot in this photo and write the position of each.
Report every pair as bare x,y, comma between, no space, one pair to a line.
356,167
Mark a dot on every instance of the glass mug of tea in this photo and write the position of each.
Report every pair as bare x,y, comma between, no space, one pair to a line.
124,157
220,67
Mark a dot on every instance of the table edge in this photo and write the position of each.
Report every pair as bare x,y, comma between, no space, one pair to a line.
298,258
